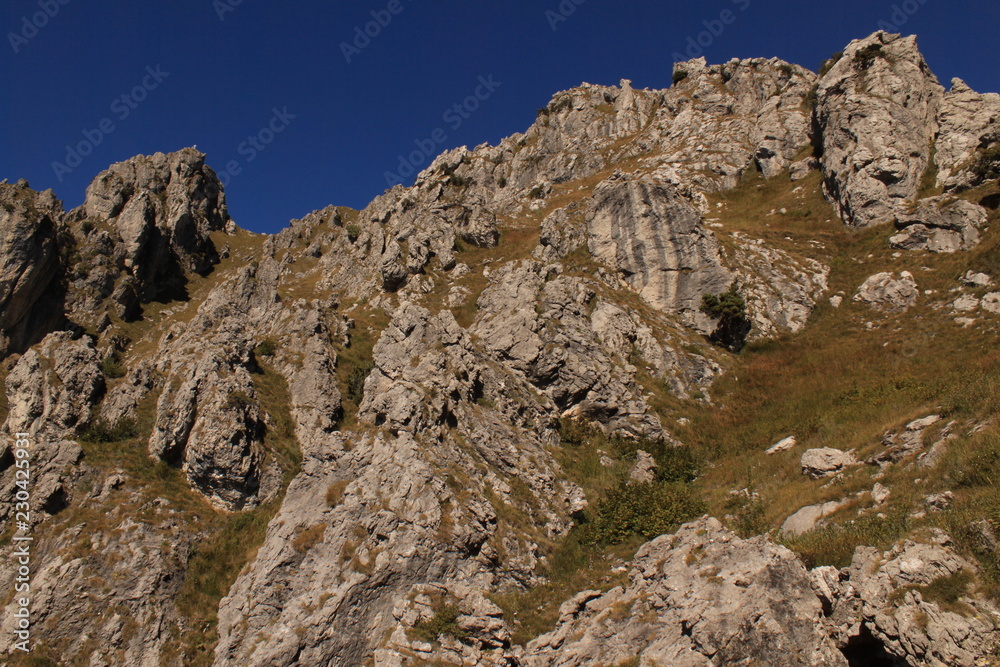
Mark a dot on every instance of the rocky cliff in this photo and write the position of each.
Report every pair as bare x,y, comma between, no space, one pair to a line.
479,422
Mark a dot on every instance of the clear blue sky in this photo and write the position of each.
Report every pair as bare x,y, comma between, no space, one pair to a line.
220,80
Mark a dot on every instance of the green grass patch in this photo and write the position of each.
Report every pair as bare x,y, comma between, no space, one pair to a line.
444,622
232,543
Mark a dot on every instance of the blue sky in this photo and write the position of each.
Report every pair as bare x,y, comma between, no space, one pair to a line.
126,77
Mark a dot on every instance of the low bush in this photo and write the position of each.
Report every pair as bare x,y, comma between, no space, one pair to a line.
266,348
356,382
100,431
112,367
444,622
645,510
987,164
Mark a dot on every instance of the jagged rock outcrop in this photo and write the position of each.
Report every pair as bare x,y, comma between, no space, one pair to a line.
536,323
698,598
940,224
877,117
726,118
969,123
145,224
472,322
781,291
30,223
883,606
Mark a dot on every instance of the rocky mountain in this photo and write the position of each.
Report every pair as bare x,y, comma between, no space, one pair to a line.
488,419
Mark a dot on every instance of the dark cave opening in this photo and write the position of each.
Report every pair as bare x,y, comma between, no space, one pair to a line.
866,650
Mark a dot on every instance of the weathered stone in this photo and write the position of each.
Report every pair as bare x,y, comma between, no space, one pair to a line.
940,225
782,445
644,470
700,597
885,292
809,517
824,462
29,225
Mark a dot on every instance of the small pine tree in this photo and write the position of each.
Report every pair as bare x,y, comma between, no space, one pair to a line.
731,309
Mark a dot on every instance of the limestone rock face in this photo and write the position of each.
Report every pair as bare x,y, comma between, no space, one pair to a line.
145,224
700,597
877,115
657,241
881,606
940,225
968,122
50,389
29,225
781,291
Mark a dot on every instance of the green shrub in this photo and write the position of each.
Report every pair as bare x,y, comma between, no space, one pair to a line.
99,431
673,464
987,165
266,348
828,64
444,622
353,232
864,58
112,367
731,309
356,382
239,400
645,510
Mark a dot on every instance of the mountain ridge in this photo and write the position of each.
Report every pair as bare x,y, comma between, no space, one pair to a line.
372,437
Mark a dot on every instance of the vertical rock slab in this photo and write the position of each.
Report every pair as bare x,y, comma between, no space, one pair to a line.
29,224
876,117
657,240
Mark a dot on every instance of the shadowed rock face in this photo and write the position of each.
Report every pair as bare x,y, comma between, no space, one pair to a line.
396,381
143,228
29,265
